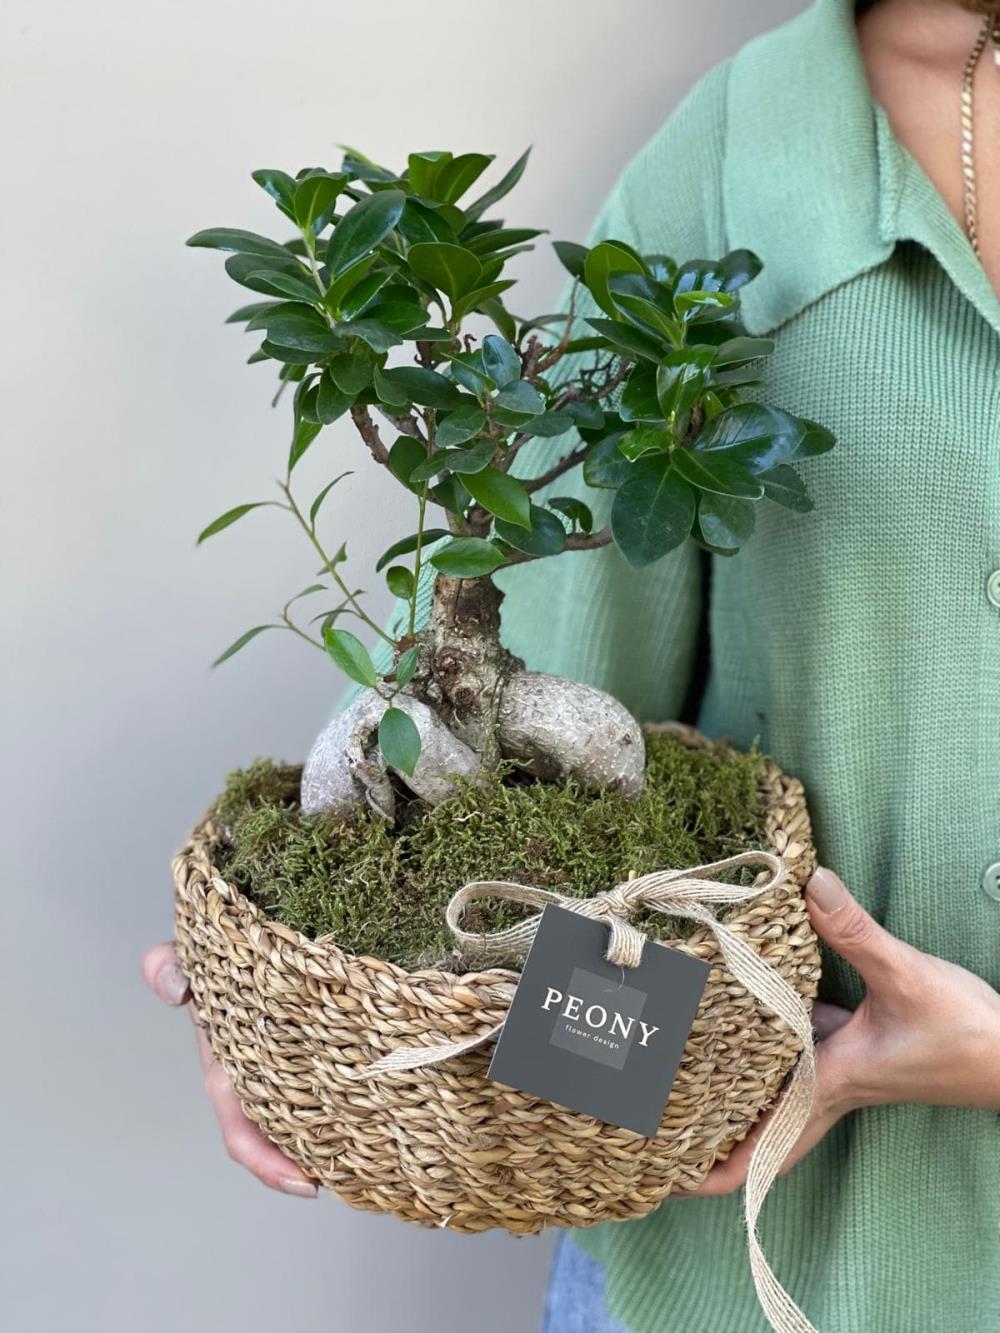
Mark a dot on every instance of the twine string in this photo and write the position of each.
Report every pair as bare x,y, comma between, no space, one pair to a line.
680,893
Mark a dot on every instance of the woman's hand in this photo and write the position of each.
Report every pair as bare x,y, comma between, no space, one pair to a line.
244,1141
926,1031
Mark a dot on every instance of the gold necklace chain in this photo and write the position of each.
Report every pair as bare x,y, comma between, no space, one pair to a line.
990,31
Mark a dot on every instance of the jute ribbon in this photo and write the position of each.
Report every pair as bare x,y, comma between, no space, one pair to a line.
679,893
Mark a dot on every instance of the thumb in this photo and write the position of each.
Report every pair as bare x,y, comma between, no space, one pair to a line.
842,923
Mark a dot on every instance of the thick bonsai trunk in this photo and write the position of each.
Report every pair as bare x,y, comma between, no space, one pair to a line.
474,705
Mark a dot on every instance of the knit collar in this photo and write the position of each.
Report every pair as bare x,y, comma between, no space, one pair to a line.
816,182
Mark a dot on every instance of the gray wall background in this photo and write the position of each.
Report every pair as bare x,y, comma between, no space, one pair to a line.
129,420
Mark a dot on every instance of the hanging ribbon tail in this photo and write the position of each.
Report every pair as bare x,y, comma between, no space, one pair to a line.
414,1057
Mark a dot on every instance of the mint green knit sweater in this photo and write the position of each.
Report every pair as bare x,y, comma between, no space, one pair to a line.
860,642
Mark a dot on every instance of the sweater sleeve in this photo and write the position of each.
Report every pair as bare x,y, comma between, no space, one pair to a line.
588,614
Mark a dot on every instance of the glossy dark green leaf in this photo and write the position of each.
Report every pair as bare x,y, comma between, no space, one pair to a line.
236,240
351,655
317,504
362,228
289,356
639,400
399,581
403,317
362,292
738,268
393,395
399,740
407,666
254,311
645,440
545,536
630,339
468,557
497,192
461,425
500,494
719,472
576,511
270,311
725,522
602,260
451,494
571,256
494,309
605,466
408,544
460,174
507,239
473,458
482,299
448,268
785,487
352,371
500,360
585,416
315,201
681,378
426,387
550,424
348,280
468,369
292,331
331,400
761,437
520,397
280,186
379,337
734,350
653,510
406,454
418,223
228,518
276,282
423,170
242,642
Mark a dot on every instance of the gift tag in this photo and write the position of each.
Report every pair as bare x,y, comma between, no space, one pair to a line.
595,1037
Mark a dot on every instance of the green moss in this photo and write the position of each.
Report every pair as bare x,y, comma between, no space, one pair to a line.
383,892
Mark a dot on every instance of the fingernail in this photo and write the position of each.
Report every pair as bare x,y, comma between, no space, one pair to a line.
305,1189
827,890
171,984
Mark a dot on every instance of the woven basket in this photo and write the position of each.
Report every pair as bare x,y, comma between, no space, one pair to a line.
292,1018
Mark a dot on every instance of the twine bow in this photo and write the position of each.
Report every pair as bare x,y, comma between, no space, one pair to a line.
682,893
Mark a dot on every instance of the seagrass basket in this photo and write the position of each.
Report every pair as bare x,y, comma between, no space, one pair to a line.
294,1021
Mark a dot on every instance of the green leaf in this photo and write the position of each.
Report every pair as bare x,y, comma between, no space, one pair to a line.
468,558
399,740
254,311
640,297
572,256
500,361
785,487
653,511
500,494
681,379
501,239
315,201
606,258
408,544
482,299
742,349
426,387
361,293
420,223
362,228
242,642
302,334
240,242
726,523
280,186
331,400
348,280
497,192
761,436
738,268
305,433
450,494
393,395
351,655
546,535
423,170
404,456
460,174
317,503
605,466
645,440
575,510
463,461
400,581
520,397
697,305
400,316
493,308
276,282
379,337
639,401
717,472
551,424
461,425
449,268
629,339
352,371
229,517
407,665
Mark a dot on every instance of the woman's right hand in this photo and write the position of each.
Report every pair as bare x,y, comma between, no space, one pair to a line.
245,1143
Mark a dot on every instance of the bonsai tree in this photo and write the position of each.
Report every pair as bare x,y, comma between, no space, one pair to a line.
366,314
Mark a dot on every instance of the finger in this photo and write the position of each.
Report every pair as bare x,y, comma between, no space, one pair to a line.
842,923
828,1019
245,1143
163,975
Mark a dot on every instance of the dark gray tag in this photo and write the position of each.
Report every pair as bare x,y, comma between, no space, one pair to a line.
595,1037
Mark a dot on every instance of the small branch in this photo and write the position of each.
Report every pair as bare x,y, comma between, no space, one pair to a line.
565,464
557,352
369,433
575,541
403,422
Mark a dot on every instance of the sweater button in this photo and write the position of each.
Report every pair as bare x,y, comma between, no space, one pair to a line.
991,881
993,589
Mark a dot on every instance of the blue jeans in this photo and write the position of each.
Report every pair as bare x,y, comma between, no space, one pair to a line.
575,1299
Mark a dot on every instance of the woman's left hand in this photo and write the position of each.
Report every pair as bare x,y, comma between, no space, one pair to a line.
926,1031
